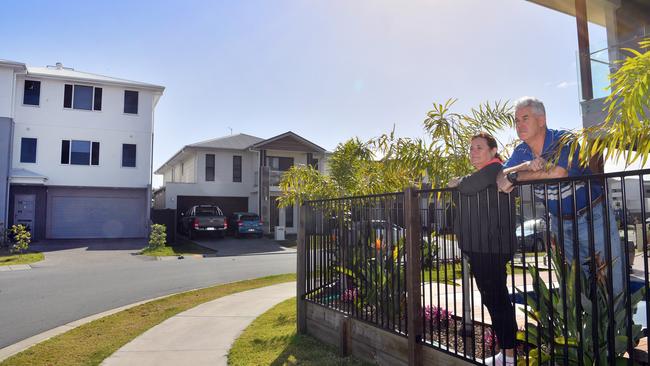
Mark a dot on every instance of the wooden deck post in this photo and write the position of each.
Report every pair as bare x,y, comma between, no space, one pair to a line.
413,271
301,275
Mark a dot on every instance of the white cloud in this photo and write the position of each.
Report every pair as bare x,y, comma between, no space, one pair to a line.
565,84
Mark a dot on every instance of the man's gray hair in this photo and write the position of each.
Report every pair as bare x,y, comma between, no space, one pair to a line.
536,105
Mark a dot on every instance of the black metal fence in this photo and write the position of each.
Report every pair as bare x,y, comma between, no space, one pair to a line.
575,272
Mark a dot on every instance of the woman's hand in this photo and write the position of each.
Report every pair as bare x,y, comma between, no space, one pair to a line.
453,182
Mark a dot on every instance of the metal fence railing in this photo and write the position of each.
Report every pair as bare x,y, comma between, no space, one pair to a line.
570,257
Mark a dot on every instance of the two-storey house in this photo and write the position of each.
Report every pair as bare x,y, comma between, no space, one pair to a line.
237,173
82,153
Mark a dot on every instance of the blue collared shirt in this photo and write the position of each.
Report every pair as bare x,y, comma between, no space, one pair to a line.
523,153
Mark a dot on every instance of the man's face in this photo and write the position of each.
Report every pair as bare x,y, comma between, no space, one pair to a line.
529,125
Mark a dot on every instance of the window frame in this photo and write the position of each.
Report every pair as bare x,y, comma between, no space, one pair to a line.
38,97
236,178
135,157
93,101
22,140
137,104
213,167
91,158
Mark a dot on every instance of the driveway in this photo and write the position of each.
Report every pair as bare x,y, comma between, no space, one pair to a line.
82,278
230,246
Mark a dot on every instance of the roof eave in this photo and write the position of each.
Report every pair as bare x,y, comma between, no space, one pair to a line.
151,87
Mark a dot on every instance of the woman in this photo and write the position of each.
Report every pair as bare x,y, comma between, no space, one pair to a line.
484,230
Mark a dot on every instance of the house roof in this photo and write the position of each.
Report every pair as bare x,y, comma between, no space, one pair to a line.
596,9
288,141
13,64
239,141
60,72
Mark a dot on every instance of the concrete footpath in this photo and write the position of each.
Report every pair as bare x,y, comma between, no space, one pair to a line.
202,335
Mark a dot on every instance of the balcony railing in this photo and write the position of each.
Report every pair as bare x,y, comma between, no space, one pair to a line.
275,176
576,282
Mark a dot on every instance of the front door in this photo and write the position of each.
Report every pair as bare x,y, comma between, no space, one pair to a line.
24,210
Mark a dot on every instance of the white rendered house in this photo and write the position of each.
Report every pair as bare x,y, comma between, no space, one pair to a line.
237,173
82,152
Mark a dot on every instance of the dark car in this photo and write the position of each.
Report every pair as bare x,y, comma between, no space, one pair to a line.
531,236
203,218
245,223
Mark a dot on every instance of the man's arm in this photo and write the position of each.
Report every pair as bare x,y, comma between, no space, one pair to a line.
529,170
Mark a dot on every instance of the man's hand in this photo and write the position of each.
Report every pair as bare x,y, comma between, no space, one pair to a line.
503,183
537,164
453,182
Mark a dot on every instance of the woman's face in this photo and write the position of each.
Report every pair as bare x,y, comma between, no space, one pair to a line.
480,153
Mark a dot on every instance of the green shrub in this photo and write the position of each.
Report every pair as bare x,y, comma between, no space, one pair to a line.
21,238
158,236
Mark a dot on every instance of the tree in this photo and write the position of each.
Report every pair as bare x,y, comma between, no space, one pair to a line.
626,128
389,163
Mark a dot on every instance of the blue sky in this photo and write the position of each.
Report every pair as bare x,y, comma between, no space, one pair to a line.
327,70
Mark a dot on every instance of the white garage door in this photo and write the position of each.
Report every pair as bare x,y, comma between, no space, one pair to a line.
96,214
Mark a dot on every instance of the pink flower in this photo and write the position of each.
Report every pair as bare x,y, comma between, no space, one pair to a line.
350,295
437,315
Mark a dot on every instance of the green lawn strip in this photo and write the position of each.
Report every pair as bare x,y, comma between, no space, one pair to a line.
9,259
445,273
271,339
181,247
91,343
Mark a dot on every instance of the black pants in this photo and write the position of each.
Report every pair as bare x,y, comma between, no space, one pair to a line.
489,271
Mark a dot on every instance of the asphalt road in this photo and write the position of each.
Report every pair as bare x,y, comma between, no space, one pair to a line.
79,279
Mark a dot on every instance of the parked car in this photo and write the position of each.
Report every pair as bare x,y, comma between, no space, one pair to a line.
245,223
203,218
533,235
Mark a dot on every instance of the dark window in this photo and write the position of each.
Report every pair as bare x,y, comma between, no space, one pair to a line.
80,152
209,167
67,96
65,152
97,105
279,163
236,168
128,155
131,102
94,160
314,163
208,211
32,94
27,150
82,97
288,216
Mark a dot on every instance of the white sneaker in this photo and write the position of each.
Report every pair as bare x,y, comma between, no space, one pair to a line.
498,360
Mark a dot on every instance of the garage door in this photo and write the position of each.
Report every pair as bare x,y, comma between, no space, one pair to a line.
96,213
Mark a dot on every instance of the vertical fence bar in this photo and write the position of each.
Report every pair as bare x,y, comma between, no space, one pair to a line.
624,256
414,310
301,278
646,281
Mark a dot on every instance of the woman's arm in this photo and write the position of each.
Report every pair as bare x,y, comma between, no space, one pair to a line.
479,180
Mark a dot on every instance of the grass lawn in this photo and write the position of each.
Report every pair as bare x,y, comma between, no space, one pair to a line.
272,340
438,274
9,259
182,247
91,343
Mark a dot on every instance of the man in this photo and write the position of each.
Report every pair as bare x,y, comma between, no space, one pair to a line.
529,162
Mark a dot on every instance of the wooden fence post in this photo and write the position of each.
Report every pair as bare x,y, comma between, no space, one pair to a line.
301,275
413,270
